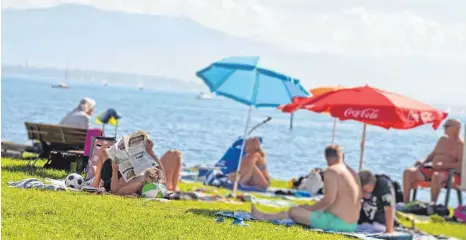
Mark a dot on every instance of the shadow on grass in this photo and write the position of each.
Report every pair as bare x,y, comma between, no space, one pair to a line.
203,212
35,171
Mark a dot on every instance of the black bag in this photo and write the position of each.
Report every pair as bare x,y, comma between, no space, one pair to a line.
396,187
62,161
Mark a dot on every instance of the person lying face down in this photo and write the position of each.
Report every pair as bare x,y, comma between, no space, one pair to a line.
338,210
253,169
167,171
378,207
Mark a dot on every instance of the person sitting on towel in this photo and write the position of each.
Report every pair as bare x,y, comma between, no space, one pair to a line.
378,207
80,117
169,166
253,169
339,208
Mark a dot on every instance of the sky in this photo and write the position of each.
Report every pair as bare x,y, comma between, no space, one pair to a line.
431,29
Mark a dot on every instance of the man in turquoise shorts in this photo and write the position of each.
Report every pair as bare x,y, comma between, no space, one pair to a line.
340,206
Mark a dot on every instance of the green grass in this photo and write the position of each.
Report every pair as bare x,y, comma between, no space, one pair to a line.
35,214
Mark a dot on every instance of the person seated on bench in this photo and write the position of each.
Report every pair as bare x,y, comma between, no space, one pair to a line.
80,117
338,210
378,207
447,154
253,169
107,172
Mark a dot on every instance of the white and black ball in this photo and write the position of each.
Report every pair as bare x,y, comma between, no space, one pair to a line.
74,180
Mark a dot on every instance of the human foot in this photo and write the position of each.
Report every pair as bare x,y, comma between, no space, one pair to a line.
255,213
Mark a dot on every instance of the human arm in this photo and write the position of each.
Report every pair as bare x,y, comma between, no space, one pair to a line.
388,201
389,218
330,192
431,155
150,151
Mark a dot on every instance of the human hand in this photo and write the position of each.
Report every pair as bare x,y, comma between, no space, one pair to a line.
114,166
150,145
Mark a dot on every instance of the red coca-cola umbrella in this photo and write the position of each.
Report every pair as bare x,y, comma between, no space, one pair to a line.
371,106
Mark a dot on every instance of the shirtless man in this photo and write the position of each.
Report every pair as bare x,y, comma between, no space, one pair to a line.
447,154
339,209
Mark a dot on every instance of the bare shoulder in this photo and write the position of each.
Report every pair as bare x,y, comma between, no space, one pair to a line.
331,171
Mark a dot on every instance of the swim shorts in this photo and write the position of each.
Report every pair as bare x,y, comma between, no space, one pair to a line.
329,222
428,171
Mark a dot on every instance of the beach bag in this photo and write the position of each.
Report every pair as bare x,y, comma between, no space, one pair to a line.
98,145
460,214
313,184
396,187
62,160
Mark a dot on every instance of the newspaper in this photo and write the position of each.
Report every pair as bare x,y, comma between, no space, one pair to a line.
131,154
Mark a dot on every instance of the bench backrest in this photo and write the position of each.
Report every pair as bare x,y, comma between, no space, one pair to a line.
56,134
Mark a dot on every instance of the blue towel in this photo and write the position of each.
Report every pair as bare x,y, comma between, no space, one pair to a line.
246,216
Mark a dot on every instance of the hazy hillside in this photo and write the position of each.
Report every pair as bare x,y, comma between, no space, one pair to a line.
175,48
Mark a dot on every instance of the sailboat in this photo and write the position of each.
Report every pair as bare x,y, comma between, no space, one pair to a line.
63,84
203,96
140,87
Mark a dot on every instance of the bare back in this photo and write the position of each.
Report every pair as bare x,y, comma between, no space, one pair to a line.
446,151
347,204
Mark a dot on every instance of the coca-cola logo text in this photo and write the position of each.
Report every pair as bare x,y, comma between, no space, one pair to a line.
368,113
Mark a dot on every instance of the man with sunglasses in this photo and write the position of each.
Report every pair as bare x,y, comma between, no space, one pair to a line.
447,154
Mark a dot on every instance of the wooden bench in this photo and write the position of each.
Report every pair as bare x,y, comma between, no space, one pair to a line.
56,137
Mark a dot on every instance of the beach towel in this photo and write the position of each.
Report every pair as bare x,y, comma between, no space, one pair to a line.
400,233
217,178
53,185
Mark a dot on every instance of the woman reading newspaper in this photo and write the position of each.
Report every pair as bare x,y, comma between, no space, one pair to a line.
132,163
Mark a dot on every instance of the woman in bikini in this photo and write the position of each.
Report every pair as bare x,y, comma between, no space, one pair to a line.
169,168
253,169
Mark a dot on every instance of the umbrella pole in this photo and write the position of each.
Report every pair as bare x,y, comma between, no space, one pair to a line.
291,121
363,141
237,176
334,129
116,130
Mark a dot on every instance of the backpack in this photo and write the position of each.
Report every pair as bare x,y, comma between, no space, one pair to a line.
396,187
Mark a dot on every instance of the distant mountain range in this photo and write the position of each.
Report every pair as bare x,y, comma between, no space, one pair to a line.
95,40
92,77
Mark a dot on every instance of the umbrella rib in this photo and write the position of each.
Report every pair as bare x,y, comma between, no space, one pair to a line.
224,80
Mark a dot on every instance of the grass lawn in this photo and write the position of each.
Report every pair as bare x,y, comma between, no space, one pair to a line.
35,214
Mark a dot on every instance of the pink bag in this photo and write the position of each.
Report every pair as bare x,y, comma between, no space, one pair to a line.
93,132
99,144
460,213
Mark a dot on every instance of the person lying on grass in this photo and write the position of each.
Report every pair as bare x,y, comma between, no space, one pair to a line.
378,207
339,209
168,169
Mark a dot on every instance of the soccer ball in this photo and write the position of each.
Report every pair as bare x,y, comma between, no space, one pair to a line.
153,190
74,180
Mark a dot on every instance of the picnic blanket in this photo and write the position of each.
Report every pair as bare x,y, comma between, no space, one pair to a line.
400,234
52,185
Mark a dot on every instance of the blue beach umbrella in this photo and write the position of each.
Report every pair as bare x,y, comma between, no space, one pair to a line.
241,79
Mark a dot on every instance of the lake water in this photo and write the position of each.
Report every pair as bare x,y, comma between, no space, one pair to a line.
204,129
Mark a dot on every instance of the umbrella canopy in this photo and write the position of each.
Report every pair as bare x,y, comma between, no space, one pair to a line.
372,106
243,80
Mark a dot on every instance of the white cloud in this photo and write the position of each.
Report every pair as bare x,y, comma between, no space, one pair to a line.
369,29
